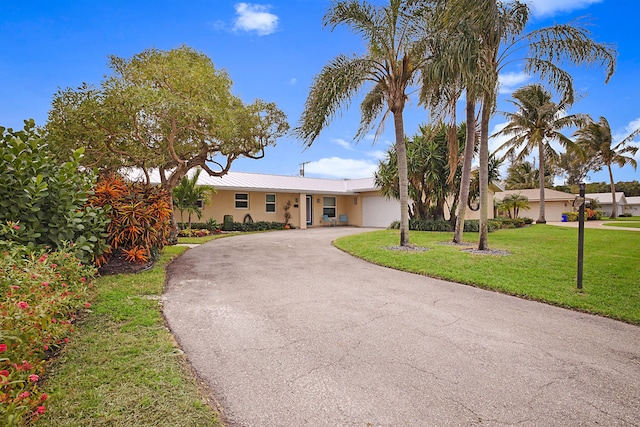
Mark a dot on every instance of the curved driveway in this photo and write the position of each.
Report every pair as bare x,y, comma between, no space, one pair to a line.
289,331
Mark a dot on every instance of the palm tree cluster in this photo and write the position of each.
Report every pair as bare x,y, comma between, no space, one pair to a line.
442,48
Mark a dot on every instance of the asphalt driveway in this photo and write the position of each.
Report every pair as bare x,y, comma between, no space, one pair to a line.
289,331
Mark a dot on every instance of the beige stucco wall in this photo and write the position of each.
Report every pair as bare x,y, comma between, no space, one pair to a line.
470,214
223,203
553,210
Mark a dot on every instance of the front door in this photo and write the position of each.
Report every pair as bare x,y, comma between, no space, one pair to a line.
309,210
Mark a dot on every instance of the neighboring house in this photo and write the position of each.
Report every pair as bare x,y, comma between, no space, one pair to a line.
606,201
263,196
555,202
633,205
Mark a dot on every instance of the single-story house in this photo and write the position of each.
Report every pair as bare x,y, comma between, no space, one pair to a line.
263,197
555,202
606,202
633,205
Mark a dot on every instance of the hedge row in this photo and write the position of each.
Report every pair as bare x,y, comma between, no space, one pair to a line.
469,225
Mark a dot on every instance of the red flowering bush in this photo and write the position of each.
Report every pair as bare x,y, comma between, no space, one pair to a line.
40,295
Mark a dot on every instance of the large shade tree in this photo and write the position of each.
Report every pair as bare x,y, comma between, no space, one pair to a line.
596,137
499,28
397,50
169,111
534,126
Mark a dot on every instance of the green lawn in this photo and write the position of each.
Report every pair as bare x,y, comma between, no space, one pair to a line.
122,366
542,265
624,218
629,224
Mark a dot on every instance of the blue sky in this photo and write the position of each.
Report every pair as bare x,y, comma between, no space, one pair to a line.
272,51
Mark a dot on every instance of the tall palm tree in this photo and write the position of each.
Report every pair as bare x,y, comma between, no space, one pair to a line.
522,175
533,126
397,50
499,27
597,137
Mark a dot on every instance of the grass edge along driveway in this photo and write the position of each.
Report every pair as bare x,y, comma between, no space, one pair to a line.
122,366
541,266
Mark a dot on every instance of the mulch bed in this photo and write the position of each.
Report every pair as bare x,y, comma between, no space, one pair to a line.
118,264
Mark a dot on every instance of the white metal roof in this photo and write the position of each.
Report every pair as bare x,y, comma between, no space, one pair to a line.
533,194
606,199
634,200
248,181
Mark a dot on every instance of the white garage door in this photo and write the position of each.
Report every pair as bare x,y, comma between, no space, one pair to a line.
379,211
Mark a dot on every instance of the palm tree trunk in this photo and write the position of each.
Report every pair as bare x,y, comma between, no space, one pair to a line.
614,204
483,240
465,180
541,219
401,151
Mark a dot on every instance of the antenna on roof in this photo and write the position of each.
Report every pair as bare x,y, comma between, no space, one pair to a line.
302,168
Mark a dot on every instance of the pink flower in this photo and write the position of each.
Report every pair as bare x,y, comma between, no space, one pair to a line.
54,265
24,395
4,373
83,280
3,348
33,378
44,397
45,284
15,227
53,320
41,410
87,305
46,347
23,305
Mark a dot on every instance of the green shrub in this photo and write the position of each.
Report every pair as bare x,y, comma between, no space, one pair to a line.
571,216
47,201
194,232
40,294
257,226
210,225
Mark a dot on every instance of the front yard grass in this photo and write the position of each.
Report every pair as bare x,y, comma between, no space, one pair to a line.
542,264
122,366
629,224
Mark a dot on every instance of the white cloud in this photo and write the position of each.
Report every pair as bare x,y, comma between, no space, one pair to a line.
552,7
509,82
377,154
218,25
336,167
342,143
293,81
255,17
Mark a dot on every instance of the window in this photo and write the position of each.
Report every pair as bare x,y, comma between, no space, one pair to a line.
200,203
242,200
270,202
329,206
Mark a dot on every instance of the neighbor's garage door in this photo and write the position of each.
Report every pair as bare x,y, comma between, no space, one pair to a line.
379,211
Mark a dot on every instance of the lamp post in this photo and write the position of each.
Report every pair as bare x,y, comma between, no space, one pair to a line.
581,234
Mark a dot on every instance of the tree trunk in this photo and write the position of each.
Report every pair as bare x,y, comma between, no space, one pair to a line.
541,219
401,151
483,241
465,180
614,204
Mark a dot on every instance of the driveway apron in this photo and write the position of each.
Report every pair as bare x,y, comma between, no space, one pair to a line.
287,330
